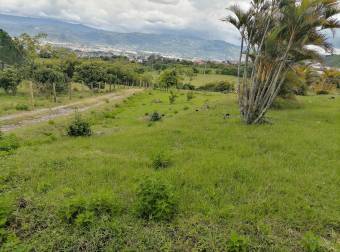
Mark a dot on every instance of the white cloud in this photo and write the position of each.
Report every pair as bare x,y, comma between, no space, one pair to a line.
201,16
196,17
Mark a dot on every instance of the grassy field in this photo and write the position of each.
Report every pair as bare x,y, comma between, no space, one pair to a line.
274,187
201,79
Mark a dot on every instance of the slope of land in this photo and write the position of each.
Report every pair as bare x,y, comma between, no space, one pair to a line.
277,185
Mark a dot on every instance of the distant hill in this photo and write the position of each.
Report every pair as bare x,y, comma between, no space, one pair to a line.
333,61
9,54
174,45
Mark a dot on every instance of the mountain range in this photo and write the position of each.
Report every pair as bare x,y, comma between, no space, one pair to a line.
176,45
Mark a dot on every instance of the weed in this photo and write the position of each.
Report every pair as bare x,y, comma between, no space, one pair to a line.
155,117
311,243
9,143
79,127
237,243
160,161
155,201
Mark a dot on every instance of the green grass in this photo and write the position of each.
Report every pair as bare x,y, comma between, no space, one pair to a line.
271,184
201,79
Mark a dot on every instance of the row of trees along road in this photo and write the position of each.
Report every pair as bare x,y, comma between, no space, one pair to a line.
51,70
276,36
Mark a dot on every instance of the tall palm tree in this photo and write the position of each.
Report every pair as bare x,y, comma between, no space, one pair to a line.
279,34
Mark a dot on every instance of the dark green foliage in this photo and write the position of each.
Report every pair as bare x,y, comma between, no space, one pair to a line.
169,78
237,243
6,208
79,127
221,86
186,86
22,107
9,143
46,77
10,53
155,117
190,96
84,212
155,201
160,161
10,79
172,97
92,74
311,243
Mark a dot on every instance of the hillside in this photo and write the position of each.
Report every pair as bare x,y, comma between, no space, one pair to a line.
167,44
224,177
333,60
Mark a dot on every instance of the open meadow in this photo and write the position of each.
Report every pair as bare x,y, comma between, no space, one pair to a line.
272,187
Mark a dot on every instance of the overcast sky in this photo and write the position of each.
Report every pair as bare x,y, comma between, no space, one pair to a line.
200,17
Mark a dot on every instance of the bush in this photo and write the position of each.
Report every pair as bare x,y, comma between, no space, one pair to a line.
85,212
172,97
237,243
190,96
79,127
160,161
155,117
323,88
221,86
311,243
9,143
6,208
22,107
155,201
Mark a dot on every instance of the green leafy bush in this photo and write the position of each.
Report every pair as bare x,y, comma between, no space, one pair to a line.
155,201
172,97
155,117
22,107
79,127
9,143
6,208
83,212
190,96
160,161
221,86
237,243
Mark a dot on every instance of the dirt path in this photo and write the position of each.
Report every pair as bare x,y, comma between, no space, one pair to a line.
19,120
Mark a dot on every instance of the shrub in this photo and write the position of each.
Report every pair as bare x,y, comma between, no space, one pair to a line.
6,208
311,243
9,143
155,201
22,107
172,97
221,86
79,127
323,88
155,117
160,161
190,96
237,243
84,212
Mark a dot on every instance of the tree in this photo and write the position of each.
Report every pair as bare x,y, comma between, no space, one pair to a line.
10,53
277,35
91,73
169,78
50,80
29,48
10,78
